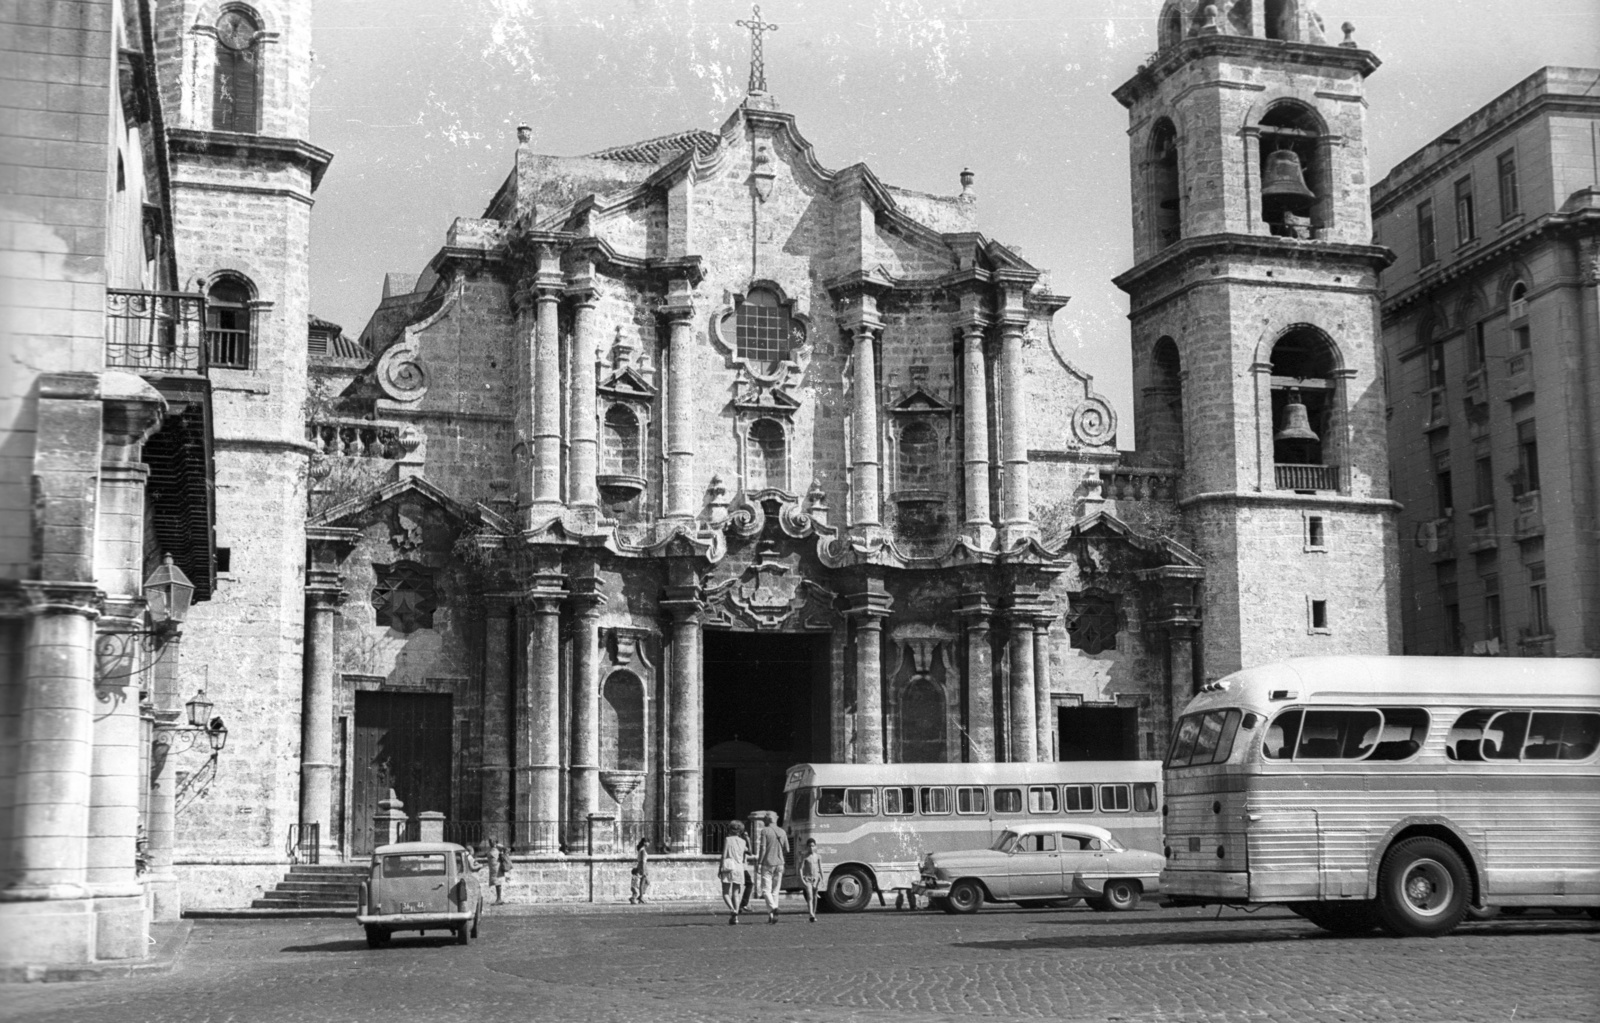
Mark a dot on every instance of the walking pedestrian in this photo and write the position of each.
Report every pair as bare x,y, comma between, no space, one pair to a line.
811,877
499,867
641,872
731,871
771,852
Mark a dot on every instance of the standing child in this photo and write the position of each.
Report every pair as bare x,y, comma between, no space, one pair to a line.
811,876
731,871
641,872
499,865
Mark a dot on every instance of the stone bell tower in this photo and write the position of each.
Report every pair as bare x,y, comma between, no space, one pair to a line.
237,79
1255,322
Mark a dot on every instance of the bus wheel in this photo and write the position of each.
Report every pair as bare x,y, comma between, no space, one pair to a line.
376,936
965,896
849,891
1120,895
1422,889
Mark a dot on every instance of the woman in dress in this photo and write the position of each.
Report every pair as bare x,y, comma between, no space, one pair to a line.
731,871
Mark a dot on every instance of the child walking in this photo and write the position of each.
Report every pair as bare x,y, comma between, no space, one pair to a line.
811,877
641,872
731,871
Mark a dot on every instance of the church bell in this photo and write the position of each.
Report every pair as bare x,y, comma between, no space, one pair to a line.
1296,423
1283,186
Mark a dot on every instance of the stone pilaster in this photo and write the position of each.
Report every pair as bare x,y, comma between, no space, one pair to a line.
685,699
976,614
1015,505
584,786
548,284
1044,709
868,609
979,526
161,878
582,492
865,496
683,497
498,672
1022,743
539,724
317,763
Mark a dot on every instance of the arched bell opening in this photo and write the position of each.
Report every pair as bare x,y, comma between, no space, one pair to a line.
1239,18
1170,31
1165,185
1305,411
1296,177
1161,416
1281,20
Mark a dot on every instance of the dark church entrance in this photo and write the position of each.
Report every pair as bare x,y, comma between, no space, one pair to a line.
402,742
766,708
1099,733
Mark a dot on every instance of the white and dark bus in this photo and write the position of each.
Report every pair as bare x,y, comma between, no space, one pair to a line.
874,822
1389,791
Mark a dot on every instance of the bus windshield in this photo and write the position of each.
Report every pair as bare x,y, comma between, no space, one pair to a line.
1204,738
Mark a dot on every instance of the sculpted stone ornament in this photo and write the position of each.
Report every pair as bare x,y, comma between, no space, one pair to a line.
1094,423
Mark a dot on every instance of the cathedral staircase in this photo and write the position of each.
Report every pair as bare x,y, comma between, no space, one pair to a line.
332,886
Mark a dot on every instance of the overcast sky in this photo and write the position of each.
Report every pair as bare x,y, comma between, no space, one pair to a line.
419,101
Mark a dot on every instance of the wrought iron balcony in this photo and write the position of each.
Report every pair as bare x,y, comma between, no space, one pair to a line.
156,333
1307,477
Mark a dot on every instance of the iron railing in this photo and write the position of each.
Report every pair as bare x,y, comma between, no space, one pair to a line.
1307,477
572,836
155,331
305,845
228,348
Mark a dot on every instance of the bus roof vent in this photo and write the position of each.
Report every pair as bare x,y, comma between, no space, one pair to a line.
1284,694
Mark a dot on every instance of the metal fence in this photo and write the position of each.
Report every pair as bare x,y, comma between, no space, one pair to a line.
155,331
572,837
305,845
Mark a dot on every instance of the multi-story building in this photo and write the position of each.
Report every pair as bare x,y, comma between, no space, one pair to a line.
105,480
1491,336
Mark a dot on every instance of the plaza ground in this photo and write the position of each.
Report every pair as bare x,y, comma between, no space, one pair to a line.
687,964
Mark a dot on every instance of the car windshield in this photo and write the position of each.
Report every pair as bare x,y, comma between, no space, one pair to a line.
1004,843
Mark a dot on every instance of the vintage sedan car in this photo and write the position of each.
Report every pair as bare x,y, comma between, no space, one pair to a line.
1041,864
420,886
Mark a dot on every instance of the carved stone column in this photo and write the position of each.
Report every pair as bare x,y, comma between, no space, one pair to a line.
1043,707
317,763
975,446
1022,743
166,698
868,609
539,727
684,725
865,497
585,773
548,285
683,498
1015,506
581,467
498,671
976,613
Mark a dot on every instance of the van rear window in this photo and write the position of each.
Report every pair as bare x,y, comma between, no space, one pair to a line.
414,865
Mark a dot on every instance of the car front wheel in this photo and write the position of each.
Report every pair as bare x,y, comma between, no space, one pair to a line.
965,897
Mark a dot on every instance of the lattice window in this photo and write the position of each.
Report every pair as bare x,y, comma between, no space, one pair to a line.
622,452
766,456
763,328
405,597
1092,623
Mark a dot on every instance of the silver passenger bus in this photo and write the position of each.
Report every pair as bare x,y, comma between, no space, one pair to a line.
1389,791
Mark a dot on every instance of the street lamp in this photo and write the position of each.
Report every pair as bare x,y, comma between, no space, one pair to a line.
168,593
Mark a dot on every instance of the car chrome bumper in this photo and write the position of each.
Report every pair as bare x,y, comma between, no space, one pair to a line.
931,889
409,921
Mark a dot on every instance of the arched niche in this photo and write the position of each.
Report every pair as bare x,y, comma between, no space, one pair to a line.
766,456
622,723
923,723
1162,413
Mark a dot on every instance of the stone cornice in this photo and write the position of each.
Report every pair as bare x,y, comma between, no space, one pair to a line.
1246,49
1289,499
236,145
1179,254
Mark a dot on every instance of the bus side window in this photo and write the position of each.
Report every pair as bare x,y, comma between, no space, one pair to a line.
1338,734
1405,729
1007,800
1465,741
1114,798
1502,739
1079,798
1043,799
861,802
1144,797
1562,736
970,799
830,802
935,799
1281,736
897,800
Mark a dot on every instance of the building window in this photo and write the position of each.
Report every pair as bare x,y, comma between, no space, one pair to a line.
1510,199
1426,251
1521,339
1316,533
765,457
622,451
1518,300
763,329
1466,222
1443,488
1477,345
1319,616
1482,481
228,341
1491,606
1526,478
1436,365
1538,602
237,100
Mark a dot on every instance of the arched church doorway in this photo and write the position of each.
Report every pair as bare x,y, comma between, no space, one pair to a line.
766,709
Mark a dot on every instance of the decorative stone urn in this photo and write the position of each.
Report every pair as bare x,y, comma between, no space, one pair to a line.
621,783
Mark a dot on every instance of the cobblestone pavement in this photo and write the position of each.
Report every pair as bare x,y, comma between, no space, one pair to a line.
689,966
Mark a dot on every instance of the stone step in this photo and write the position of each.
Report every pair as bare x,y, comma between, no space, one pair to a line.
293,900
336,869
297,885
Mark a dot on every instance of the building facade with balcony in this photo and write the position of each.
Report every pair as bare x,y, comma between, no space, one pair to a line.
1491,334
105,489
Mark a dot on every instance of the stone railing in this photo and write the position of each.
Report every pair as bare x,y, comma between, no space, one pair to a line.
1307,477
1140,483
364,438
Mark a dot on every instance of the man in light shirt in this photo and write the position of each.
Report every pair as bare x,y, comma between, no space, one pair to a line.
772,848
